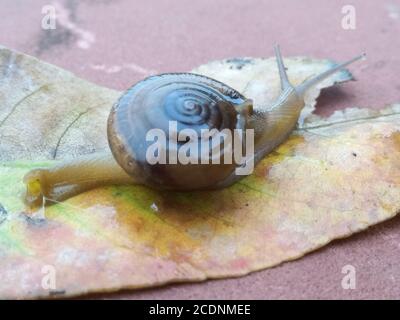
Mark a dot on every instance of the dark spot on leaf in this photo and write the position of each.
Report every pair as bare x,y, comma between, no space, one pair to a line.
34,221
239,63
3,214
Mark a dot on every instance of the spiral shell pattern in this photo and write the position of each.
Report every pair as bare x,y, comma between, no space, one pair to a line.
190,101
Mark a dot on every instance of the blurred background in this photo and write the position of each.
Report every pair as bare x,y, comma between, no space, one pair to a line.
115,43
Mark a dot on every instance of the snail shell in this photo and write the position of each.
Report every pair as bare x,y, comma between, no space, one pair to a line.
193,102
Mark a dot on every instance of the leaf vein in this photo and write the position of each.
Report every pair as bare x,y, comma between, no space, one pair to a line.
66,130
19,103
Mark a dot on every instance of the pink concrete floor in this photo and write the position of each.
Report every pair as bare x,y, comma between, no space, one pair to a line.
115,43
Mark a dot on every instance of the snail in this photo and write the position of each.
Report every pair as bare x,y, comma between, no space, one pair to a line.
194,102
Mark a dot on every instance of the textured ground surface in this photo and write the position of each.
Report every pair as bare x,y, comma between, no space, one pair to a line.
115,43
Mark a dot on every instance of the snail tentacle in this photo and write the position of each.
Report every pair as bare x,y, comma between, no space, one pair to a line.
276,123
285,83
306,85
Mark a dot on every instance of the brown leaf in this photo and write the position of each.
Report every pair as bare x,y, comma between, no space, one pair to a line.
333,177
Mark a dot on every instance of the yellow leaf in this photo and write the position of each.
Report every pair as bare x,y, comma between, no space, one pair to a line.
333,177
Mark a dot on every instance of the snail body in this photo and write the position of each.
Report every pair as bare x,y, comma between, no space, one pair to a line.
195,104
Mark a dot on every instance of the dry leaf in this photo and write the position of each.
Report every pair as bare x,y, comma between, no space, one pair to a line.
332,177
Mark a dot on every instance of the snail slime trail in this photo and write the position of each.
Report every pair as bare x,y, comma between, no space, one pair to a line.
211,147
180,132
